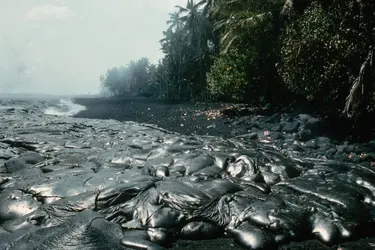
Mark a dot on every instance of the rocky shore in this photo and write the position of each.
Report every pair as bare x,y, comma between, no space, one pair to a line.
294,131
256,182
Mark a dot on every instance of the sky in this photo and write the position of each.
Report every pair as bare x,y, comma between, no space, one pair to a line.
62,46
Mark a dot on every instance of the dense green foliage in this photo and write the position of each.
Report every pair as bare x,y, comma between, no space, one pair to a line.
261,51
227,78
323,49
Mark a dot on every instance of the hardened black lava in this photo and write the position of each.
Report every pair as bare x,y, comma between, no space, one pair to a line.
71,183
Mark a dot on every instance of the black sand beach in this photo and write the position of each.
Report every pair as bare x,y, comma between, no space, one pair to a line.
291,130
184,118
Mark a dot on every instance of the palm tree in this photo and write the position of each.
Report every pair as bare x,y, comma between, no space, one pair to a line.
198,33
293,6
254,12
237,16
173,47
362,89
174,22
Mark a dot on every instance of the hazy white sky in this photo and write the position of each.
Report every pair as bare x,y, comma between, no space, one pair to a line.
62,46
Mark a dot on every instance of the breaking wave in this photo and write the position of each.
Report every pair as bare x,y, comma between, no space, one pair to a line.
65,107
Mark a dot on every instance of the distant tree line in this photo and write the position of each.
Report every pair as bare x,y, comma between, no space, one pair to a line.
133,79
262,51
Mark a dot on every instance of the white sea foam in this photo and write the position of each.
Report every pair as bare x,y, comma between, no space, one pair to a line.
65,107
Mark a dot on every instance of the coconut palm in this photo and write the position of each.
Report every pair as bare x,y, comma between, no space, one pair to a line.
362,89
235,17
232,24
175,22
198,34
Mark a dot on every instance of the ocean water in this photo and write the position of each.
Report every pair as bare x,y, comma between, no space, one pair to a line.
49,105
65,107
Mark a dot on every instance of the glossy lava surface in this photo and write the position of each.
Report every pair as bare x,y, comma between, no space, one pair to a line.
70,183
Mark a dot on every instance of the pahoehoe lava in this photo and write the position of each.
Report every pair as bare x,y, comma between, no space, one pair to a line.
70,183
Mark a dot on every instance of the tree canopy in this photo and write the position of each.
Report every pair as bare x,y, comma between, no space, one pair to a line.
261,51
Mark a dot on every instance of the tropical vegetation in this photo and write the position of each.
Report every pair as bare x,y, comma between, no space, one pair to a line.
262,51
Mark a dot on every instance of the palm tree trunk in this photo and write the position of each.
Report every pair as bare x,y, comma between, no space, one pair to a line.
362,89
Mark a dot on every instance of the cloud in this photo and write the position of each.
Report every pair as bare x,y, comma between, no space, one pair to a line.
50,12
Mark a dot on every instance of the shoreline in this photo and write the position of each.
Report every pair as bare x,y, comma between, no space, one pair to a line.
220,114
296,132
181,117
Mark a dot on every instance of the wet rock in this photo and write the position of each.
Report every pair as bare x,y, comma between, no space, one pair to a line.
304,135
240,121
103,184
199,230
253,238
15,204
31,158
74,233
346,148
323,143
271,178
313,121
273,118
253,127
311,144
251,136
330,153
15,165
254,130
5,154
296,147
290,127
304,117
276,136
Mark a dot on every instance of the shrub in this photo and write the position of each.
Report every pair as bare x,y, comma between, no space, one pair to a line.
247,71
322,51
227,78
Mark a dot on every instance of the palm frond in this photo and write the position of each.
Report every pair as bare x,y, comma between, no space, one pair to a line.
292,6
220,24
181,9
362,88
288,7
235,29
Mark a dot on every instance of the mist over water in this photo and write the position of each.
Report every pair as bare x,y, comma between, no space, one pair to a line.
65,107
61,47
